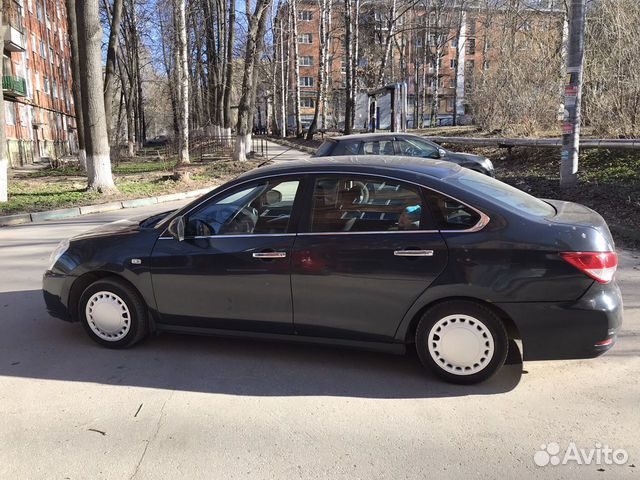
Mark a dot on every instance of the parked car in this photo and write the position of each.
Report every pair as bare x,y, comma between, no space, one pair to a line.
401,144
355,251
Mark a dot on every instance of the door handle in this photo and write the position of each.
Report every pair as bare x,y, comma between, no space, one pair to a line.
269,255
413,253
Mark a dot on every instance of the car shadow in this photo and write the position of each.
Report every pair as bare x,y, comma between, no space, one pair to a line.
35,345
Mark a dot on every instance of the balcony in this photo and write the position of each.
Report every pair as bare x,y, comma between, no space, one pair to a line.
14,86
14,40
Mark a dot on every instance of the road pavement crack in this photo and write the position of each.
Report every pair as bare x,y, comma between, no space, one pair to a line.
153,436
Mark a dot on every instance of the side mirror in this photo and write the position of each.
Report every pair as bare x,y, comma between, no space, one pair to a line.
442,152
176,228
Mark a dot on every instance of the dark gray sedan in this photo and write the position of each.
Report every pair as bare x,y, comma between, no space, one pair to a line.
401,144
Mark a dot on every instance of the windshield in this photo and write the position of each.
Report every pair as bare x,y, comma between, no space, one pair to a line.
507,196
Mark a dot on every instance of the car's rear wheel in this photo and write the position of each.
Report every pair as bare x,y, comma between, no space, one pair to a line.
113,314
461,341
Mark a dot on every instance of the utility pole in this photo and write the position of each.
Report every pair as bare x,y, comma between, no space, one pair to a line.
573,95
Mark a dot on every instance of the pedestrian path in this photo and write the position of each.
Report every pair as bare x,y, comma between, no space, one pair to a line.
282,153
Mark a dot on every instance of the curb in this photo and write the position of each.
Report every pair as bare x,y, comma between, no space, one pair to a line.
60,214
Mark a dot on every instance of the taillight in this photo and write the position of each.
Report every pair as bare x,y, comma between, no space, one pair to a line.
601,266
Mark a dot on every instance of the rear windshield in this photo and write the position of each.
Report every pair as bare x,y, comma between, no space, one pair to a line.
507,196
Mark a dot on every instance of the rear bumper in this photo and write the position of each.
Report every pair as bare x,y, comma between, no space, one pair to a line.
53,289
585,328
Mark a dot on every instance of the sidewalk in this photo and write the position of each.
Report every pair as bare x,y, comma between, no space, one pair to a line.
281,153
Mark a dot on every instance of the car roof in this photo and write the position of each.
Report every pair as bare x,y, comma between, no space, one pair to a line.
372,136
382,164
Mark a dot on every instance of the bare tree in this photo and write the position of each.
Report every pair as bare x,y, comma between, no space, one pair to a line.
72,28
110,69
97,143
612,71
323,73
256,26
231,28
293,21
182,69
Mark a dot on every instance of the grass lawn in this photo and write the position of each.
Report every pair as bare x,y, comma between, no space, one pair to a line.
53,188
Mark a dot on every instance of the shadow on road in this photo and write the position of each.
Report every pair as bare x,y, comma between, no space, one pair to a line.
34,345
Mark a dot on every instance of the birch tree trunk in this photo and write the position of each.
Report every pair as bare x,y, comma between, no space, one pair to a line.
4,163
229,73
293,20
348,40
323,51
72,27
90,55
182,68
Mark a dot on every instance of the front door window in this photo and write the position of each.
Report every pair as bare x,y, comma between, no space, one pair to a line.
262,208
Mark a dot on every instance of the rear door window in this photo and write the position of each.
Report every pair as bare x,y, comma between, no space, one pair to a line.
378,147
352,203
346,147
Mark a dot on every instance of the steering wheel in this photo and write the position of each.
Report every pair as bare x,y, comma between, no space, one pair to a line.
242,224
364,192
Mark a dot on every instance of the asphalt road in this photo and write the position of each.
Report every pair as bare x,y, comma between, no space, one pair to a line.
199,407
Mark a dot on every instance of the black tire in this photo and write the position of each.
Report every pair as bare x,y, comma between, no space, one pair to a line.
486,320
138,322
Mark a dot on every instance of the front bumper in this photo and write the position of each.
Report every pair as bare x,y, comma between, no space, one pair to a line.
56,295
585,328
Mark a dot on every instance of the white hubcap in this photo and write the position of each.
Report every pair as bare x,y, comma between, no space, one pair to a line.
461,344
108,316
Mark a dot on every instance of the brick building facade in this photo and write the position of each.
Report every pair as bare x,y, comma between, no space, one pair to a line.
36,82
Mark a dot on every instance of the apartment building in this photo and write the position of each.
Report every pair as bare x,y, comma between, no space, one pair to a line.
463,40
36,81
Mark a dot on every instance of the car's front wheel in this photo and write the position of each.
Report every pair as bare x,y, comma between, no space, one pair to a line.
113,314
461,341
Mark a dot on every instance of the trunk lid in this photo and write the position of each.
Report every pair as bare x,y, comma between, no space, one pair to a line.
579,222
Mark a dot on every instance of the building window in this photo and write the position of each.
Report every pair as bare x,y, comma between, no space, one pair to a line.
305,15
43,50
453,63
454,43
305,38
471,46
7,69
449,104
343,67
46,85
307,81
306,61
9,113
51,55
308,102
419,42
471,29
34,42
452,83
470,65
